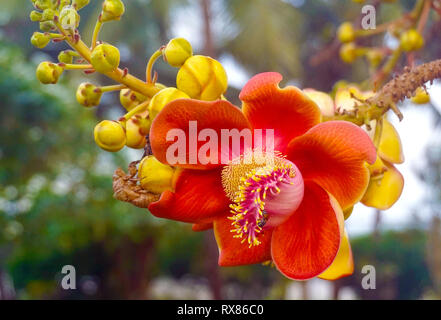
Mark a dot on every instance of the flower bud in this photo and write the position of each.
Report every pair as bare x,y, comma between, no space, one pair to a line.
348,52
64,3
346,32
162,98
110,135
48,15
155,176
47,26
35,16
374,57
112,10
137,128
202,78
177,51
421,96
40,40
69,18
66,56
105,58
130,99
48,72
411,40
88,95
79,4
45,4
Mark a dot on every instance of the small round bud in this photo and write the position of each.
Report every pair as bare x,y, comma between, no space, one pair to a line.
374,57
47,26
162,98
110,135
40,40
48,15
88,95
69,18
155,176
137,128
48,72
45,4
202,78
112,10
346,32
177,51
130,99
105,58
348,52
65,56
79,4
35,16
64,3
411,40
421,96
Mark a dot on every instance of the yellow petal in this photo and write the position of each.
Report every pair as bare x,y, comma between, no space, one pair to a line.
383,193
344,97
377,169
323,100
390,144
343,264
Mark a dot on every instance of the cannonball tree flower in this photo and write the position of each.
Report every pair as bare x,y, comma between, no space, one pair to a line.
287,208
386,182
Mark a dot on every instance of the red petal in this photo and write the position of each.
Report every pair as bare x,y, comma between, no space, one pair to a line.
234,253
334,155
305,245
196,227
215,115
288,111
198,198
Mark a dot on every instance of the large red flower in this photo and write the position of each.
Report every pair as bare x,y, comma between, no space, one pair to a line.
288,211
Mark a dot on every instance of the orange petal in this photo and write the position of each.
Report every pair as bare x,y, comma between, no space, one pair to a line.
343,264
196,227
323,100
198,197
288,111
234,253
384,192
390,144
334,155
306,245
176,116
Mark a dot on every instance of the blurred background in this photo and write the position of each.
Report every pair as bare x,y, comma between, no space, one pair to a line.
56,205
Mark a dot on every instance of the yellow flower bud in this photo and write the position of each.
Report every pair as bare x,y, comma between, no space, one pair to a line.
45,4
202,78
177,51
162,98
69,18
64,3
112,10
374,57
47,26
35,16
79,4
110,135
88,95
155,176
40,40
411,40
130,99
346,32
348,52
137,128
66,56
358,1
48,72
105,58
48,15
421,96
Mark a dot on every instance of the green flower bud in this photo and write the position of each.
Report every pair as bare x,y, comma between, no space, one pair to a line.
88,95
40,40
112,10
48,15
47,26
79,4
48,72
35,16
105,58
177,51
66,56
69,18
